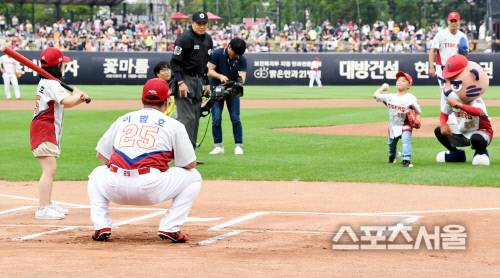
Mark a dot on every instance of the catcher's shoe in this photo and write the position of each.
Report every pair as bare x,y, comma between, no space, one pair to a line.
102,234
406,163
176,237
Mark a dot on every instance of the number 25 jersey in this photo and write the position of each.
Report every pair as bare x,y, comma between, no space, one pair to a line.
146,138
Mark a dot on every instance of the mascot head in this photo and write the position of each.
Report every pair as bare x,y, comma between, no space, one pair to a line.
463,80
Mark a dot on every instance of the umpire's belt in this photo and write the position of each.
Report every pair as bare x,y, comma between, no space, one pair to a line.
132,173
193,74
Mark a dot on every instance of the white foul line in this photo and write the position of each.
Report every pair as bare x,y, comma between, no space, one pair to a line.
45,233
238,220
74,227
16,209
214,239
227,224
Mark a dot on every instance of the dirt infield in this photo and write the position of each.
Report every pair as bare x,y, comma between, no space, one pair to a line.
377,129
271,229
253,228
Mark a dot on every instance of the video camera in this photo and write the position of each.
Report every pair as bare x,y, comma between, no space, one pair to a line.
236,90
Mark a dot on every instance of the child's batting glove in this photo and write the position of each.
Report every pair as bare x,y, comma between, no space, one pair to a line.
463,47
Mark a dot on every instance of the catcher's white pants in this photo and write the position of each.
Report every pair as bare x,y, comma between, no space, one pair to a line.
179,184
314,76
452,120
9,78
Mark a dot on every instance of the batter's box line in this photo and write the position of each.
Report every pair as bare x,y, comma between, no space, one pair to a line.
221,227
411,218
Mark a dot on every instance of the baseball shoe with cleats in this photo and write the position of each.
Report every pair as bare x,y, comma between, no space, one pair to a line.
57,208
102,234
176,237
48,213
19,98
238,150
217,150
406,163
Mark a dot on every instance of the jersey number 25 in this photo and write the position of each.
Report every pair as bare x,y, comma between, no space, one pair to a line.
132,130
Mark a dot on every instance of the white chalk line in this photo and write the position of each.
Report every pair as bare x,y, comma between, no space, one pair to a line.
214,239
159,212
16,209
52,226
407,221
385,213
45,233
238,220
227,224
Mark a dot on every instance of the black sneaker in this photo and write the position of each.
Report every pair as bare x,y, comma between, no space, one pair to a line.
392,159
406,163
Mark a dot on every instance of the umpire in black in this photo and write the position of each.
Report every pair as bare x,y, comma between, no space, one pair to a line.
192,51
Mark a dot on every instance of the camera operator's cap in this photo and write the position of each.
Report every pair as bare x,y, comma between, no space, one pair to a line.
52,56
156,87
455,65
200,17
408,77
317,58
453,15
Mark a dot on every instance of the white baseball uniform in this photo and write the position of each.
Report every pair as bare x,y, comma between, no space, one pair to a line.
398,107
9,76
468,124
314,74
140,146
49,113
447,45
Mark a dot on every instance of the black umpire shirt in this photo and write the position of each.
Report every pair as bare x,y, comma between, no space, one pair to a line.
191,54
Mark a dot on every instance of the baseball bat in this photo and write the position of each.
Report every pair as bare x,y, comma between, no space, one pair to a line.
23,60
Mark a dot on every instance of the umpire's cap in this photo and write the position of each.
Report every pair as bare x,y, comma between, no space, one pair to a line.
155,87
200,17
52,56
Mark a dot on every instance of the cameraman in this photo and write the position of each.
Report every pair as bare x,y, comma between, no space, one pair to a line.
227,64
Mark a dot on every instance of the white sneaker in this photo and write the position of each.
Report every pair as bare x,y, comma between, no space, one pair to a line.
217,150
48,213
57,208
238,150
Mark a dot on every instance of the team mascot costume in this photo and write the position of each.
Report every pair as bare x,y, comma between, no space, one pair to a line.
463,84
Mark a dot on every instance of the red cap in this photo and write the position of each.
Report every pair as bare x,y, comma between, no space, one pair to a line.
454,15
156,87
408,77
455,65
52,56
317,58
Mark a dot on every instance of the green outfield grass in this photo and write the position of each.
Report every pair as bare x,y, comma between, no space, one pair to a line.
261,92
269,154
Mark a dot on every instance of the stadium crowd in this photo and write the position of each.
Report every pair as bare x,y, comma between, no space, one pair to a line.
108,34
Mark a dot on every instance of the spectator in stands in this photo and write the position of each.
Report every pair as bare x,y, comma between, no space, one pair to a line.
15,21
